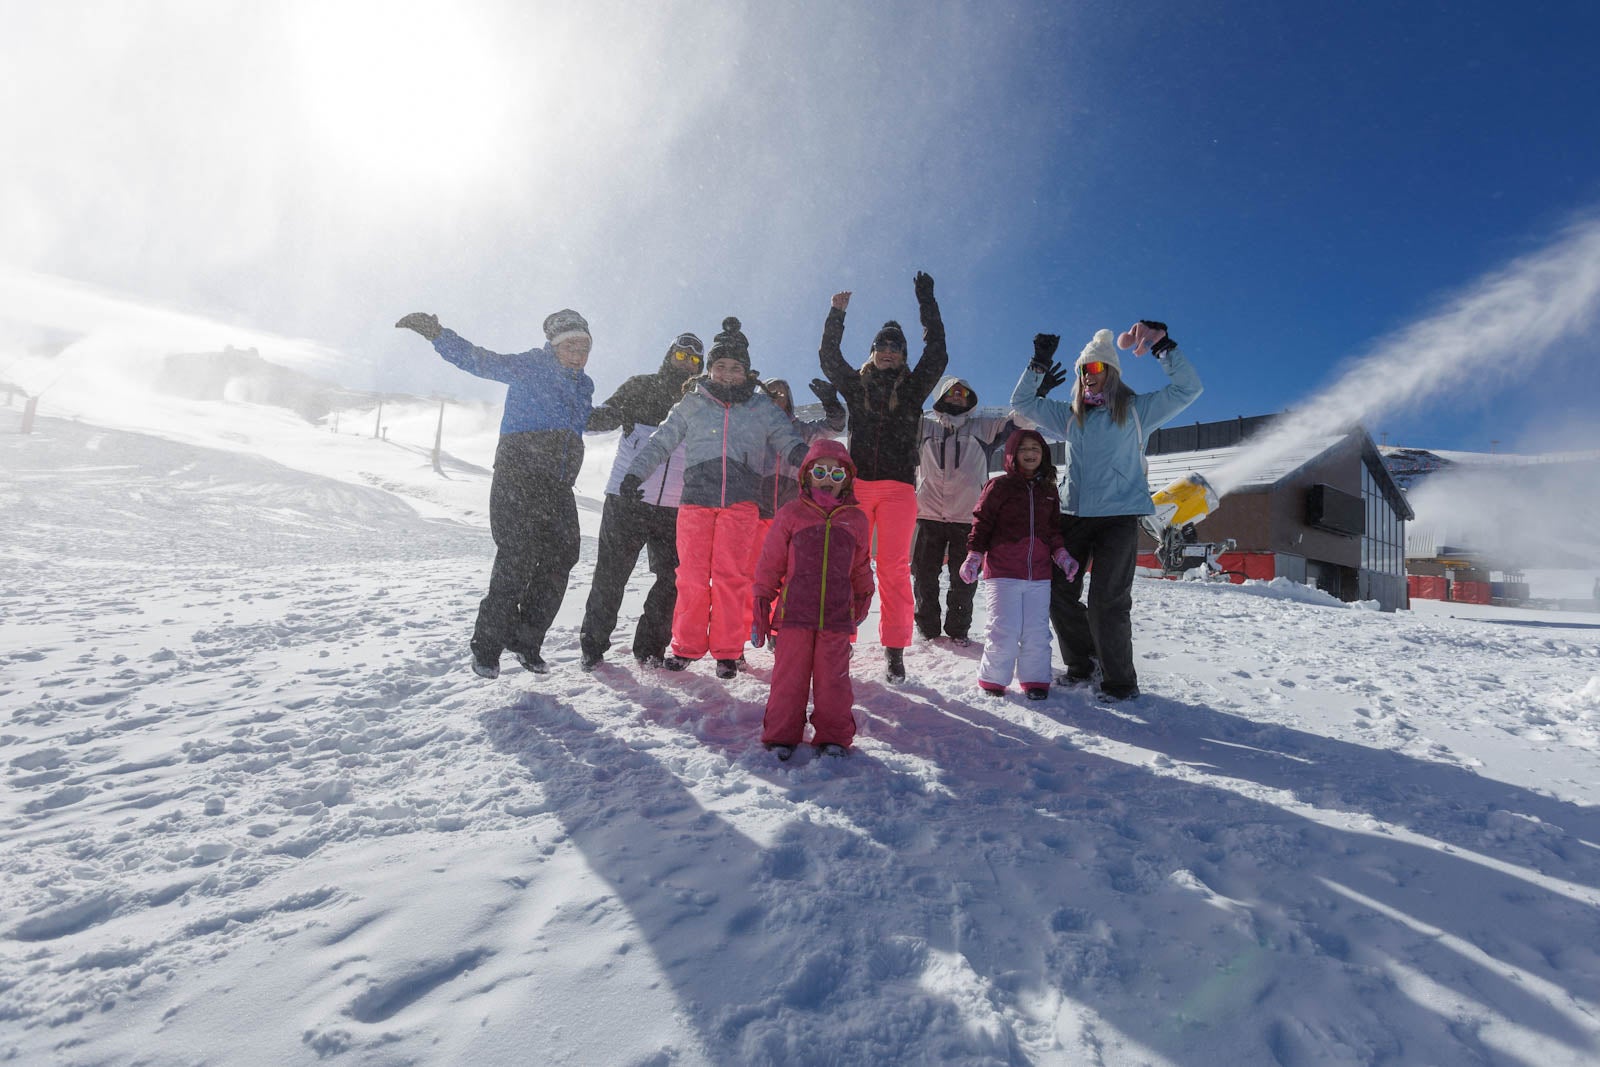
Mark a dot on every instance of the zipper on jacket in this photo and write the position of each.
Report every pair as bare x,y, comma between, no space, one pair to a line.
1031,509
822,594
727,410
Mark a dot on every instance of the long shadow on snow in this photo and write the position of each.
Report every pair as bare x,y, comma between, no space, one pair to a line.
1121,833
761,944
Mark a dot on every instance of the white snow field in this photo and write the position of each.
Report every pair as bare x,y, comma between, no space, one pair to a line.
258,810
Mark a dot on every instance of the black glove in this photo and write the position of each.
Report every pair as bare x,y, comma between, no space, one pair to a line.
1054,375
924,284
422,322
825,392
630,489
1166,344
1044,350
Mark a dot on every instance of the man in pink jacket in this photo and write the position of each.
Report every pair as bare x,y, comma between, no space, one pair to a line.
817,566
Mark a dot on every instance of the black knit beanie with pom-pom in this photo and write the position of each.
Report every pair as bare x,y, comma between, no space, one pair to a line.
731,343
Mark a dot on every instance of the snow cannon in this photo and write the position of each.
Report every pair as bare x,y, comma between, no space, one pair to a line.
1182,503
1179,506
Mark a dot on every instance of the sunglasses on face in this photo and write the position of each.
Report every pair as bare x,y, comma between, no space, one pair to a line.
889,346
1094,367
836,473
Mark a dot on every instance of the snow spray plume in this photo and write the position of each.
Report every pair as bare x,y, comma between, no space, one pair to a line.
1520,311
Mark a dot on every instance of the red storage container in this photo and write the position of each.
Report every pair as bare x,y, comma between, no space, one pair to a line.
1471,592
1426,587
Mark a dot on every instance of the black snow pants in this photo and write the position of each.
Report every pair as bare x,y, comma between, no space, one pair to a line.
533,516
941,546
1104,631
626,526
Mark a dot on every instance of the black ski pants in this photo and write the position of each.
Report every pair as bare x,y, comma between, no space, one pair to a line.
533,516
626,526
940,546
1104,631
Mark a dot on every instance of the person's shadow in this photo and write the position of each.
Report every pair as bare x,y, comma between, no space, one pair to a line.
939,894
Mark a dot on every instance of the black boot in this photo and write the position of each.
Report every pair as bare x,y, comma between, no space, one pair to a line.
727,668
895,664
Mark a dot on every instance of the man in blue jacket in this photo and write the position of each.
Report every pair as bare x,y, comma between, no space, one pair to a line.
533,513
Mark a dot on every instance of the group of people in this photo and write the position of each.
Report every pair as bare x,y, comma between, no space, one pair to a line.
762,527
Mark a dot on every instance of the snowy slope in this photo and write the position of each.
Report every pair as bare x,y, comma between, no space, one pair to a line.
259,811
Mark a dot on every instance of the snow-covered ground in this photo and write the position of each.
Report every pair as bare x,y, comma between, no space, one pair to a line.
258,810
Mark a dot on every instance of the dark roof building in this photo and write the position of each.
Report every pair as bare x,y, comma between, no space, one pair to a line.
1326,512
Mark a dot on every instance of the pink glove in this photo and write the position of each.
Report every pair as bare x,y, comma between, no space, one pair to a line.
972,567
1140,337
1064,560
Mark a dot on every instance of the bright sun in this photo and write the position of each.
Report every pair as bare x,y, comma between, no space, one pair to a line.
400,93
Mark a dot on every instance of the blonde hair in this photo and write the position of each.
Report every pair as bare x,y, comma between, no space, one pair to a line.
1117,395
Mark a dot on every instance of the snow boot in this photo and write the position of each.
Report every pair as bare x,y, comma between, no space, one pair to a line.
833,750
676,662
1076,676
894,664
533,662
649,660
1037,692
992,689
1111,691
783,752
727,668
588,661
484,668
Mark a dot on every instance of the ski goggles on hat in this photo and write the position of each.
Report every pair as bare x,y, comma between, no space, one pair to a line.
1094,366
686,348
838,474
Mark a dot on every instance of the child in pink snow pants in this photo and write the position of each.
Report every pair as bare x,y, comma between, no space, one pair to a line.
816,566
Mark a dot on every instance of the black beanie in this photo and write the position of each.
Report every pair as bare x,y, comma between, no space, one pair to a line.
891,332
730,344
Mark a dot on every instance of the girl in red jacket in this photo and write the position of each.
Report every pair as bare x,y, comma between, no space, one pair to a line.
817,566
1014,541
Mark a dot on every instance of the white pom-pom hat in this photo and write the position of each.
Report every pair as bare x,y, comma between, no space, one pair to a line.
1100,349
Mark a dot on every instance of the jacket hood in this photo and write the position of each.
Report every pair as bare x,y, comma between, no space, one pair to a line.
944,387
1014,442
768,384
828,448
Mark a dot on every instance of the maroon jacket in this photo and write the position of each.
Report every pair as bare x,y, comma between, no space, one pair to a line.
817,560
1015,524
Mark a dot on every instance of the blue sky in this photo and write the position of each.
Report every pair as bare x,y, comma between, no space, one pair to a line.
1287,185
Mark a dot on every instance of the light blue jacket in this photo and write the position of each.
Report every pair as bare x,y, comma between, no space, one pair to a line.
1104,471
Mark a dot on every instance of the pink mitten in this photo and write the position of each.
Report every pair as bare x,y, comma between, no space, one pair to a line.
1139,337
1064,560
972,567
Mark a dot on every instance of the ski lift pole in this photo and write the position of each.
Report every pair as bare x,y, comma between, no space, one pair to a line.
438,439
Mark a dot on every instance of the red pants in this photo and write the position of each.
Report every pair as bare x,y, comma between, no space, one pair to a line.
815,664
713,609
891,509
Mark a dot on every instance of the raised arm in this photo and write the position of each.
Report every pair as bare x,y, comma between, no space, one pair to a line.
935,356
1050,416
844,377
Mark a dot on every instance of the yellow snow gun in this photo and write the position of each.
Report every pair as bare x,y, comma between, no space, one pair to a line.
1179,506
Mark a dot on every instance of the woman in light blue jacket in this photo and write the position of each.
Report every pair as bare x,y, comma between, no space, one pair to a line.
1104,492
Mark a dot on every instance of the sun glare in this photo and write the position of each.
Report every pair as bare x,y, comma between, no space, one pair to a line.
400,94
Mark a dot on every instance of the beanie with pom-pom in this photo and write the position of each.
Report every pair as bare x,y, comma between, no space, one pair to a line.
730,344
1100,349
892,333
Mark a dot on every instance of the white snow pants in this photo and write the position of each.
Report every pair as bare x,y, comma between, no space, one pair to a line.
1017,642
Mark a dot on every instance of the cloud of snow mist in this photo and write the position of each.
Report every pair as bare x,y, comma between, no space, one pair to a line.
1516,314
1516,514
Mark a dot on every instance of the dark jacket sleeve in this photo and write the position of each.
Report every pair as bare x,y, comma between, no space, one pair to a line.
844,377
625,406
983,517
935,356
